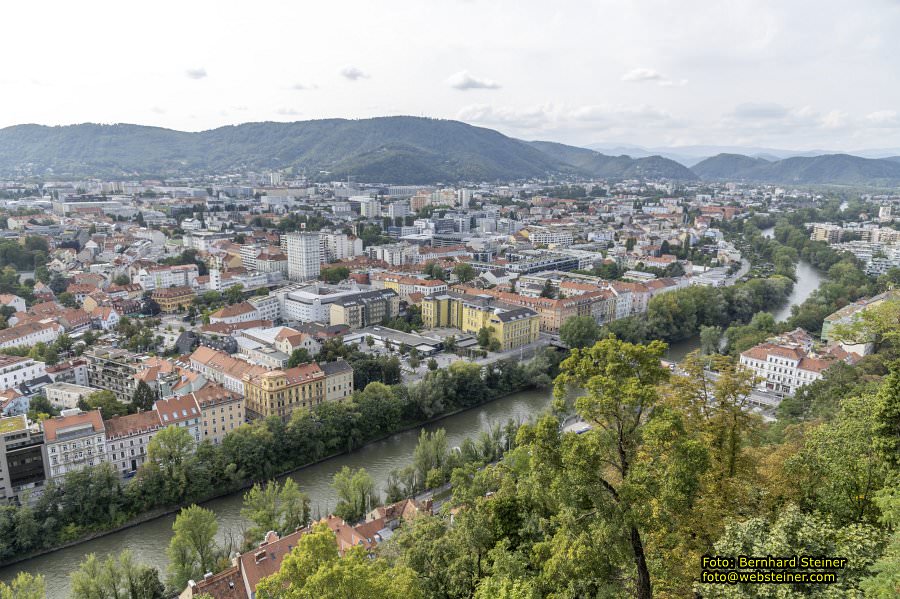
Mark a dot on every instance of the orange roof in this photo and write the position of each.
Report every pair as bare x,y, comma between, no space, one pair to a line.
54,426
124,426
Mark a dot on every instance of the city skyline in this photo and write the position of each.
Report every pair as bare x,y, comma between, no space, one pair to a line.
656,74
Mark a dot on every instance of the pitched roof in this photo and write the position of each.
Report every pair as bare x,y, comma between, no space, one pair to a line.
132,424
54,426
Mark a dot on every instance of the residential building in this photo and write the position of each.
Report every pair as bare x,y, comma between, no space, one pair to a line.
222,411
181,411
174,299
73,441
159,277
30,333
240,312
113,370
304,256
127,440
365,309
15,370
267,307
280,392
221,368
21,458
66,395
338,380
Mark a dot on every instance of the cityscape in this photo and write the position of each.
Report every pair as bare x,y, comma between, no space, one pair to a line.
462,355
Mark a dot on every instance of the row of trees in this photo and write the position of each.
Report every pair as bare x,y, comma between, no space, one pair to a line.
179,471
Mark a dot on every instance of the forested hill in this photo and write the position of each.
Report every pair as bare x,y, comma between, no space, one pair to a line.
388,150
834,169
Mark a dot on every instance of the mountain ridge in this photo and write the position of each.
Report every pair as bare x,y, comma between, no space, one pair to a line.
382,149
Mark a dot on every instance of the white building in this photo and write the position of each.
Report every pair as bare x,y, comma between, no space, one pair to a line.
66,395
15,370
267,307
127,439
181,411
340,246
162,277
304,256
73,441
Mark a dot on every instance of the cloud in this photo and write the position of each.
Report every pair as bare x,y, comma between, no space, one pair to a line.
886,119
353,73
302,87
644,75
551,117
638,75
158,110
463,81
288,112
198,73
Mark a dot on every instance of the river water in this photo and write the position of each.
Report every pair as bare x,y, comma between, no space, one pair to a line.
148,541
808,280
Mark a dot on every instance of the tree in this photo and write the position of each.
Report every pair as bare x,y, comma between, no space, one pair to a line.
234,294
282,508
464,272
579,332
432,364
620,382
67,299
796,533
192,550
884,583
24,586
484,336
710,339
116,577
170,451
356,493
334,274
106,402
434,270
143,397
314,569
299,356
40,408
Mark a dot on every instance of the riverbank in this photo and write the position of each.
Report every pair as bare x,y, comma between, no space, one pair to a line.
147,537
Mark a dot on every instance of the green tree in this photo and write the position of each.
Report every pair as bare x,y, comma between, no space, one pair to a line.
432,364
619,380
143,397
464,272
299,356
281,508
116,577
334,274
884,583
192,550
24,586
484,336
579,332
170,452
356,493
234,294
796,533
710,339
106,402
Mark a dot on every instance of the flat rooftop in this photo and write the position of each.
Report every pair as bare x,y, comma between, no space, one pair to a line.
12,424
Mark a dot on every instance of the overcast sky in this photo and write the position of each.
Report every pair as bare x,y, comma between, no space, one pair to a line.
790,74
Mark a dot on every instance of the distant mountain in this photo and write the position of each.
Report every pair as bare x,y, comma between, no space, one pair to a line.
595,164
836,169
390,149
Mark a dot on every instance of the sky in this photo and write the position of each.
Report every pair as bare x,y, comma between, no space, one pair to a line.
791,74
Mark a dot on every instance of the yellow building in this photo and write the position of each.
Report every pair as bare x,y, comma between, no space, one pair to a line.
280,392
174,299
510,326
222,411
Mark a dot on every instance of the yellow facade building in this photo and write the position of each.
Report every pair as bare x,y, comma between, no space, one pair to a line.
510,326
281,392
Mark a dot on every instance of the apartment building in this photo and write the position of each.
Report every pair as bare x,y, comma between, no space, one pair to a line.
21,458
338,380
221,368
30,333
159,277
15,370
304,256
281,392
113,370
267,307
405,286
127,440
73,441
552,312
365,309
174,299
181,411
66,395
240,312
222,411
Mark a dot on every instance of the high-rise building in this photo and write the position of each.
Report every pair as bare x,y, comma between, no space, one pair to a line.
304,256
463,197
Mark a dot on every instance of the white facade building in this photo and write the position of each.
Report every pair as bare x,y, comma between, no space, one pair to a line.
304,256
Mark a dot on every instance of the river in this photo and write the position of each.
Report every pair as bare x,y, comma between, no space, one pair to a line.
148,541
808,280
